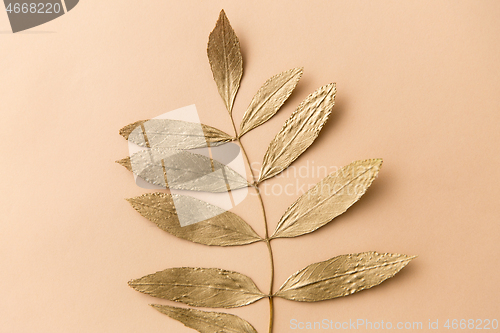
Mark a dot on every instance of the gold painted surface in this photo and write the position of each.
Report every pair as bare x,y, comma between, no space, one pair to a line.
223,229
183,170
225,60
341,276
328,199
215,136
207,322
125,162
269,99
299,131
204,287
126,130
173,134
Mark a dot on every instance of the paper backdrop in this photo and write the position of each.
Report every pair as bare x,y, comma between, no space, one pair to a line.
417,85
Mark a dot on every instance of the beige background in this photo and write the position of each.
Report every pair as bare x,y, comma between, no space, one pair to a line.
418,84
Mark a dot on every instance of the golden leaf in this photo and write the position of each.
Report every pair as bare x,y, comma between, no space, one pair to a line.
225,59
125,162
214,136
126,130
207,322
183,170
222,229
269,99
173,134
298,132
328,199
204,287
341,276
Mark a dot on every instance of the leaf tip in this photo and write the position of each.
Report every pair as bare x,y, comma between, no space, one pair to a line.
124,132
128,129
299,70
331,88
378,162
131,201
132,283
372,163
222,18
125,162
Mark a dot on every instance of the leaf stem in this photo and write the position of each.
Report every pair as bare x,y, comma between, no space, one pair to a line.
271,304
267,239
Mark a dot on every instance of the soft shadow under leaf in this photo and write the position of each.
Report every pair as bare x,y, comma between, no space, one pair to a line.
269,99
223,229
207,322
298,132
328,199
225,59
204,287
341,276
